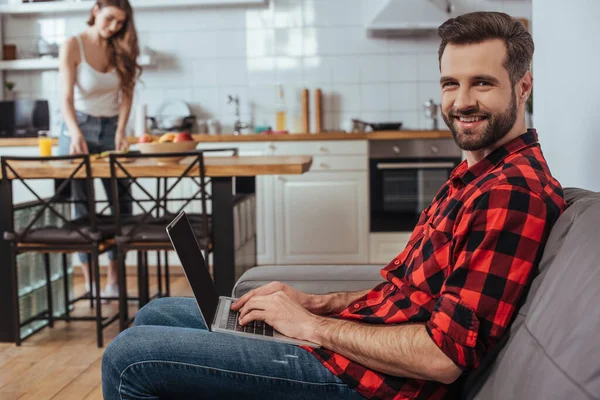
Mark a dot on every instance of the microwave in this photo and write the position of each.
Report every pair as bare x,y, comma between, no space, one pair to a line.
23,117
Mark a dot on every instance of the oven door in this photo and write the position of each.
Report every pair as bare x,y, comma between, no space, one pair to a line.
402,188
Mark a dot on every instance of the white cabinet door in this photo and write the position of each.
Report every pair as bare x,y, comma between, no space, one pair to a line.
265,224
322,217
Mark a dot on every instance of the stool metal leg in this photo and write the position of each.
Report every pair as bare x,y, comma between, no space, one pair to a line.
159,274
90,274
122,283
49,290
146,277
66,287
167,278
96,269
15,283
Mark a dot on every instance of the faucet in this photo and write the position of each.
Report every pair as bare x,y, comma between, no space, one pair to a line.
238,125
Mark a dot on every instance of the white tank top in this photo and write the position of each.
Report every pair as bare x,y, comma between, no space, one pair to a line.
96,93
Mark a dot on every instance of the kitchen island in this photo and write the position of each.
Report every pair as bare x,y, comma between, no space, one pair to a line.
229,176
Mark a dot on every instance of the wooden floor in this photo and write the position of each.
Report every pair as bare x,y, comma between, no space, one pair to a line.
63,363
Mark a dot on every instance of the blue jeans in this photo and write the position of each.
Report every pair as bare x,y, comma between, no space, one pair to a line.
99,134
169,354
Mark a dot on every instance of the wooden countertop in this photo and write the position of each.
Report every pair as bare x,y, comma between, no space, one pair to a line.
380,135
215,167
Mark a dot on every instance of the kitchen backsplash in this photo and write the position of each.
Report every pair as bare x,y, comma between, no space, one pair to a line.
204,54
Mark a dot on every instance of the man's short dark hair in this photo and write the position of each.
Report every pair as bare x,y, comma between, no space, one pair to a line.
477,27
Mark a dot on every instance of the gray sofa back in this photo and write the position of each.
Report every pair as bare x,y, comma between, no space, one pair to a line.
553,349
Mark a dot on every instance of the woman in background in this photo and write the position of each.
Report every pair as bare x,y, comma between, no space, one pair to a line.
98,70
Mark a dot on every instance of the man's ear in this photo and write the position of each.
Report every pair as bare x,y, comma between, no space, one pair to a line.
524,87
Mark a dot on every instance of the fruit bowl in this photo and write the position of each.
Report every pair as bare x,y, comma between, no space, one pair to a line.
167,147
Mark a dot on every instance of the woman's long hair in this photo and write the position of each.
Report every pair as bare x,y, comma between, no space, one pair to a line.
123,47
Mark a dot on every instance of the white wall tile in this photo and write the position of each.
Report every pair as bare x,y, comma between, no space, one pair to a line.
375,116
401,45
428,67
410,119
429,90
205,72
518,8
260,43
345,69
208,99
343,98
232,72
402,67
317,70
261,71
206,53
375,97
231,43
404,96
261,17
289,42
374,69
168,73
490,5
288,69
263,98
346,41
288,13
229,109
333,13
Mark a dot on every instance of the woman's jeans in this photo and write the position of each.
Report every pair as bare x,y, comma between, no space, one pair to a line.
169,354
99,134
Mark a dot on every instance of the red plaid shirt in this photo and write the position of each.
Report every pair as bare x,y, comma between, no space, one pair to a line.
465,268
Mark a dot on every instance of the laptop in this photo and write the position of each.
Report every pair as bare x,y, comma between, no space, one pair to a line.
215,311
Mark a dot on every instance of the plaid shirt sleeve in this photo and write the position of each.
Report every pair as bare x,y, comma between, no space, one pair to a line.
495,249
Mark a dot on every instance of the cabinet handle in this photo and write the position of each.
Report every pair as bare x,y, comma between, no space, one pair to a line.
324,150
282,179
324,165
272,147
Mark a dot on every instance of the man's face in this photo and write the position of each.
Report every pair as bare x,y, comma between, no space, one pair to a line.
478,100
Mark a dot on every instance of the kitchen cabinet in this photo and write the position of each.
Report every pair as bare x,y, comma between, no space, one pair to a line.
321,217
383,247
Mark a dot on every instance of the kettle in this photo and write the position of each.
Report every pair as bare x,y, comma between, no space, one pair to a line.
431,112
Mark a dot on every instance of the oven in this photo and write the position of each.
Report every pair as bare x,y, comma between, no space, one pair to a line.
405,176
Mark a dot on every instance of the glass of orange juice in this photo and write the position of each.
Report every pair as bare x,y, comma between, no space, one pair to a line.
45,143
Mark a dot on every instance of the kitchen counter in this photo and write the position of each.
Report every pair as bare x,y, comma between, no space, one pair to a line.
380,135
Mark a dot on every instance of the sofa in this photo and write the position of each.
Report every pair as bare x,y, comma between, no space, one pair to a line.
552,349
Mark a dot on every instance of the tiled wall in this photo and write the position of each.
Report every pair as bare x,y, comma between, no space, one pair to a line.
204,54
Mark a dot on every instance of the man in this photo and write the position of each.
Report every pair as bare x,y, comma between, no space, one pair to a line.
447,298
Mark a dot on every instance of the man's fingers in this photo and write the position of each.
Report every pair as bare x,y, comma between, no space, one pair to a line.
253,315
239,303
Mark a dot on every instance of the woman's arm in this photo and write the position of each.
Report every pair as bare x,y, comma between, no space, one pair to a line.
67,67
124,111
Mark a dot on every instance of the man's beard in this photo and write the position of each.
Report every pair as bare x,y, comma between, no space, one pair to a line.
497,127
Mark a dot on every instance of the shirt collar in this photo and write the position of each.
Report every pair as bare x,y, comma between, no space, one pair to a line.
464,175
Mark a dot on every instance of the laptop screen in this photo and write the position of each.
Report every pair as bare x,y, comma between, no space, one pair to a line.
184,241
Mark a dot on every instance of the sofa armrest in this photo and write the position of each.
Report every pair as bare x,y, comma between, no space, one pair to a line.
316,279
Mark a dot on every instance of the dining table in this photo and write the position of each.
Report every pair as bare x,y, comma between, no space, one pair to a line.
229,176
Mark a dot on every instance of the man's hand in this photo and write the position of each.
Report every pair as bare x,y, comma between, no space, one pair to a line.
303,299
282,313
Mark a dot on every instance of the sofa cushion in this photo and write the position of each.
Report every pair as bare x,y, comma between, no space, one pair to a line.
553,348
317,279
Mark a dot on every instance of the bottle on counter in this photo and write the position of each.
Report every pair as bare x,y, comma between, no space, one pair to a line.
280,111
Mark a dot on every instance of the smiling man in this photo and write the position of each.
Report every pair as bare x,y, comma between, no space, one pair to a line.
447,298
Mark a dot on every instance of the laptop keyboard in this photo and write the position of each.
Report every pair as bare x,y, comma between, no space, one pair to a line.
255,327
